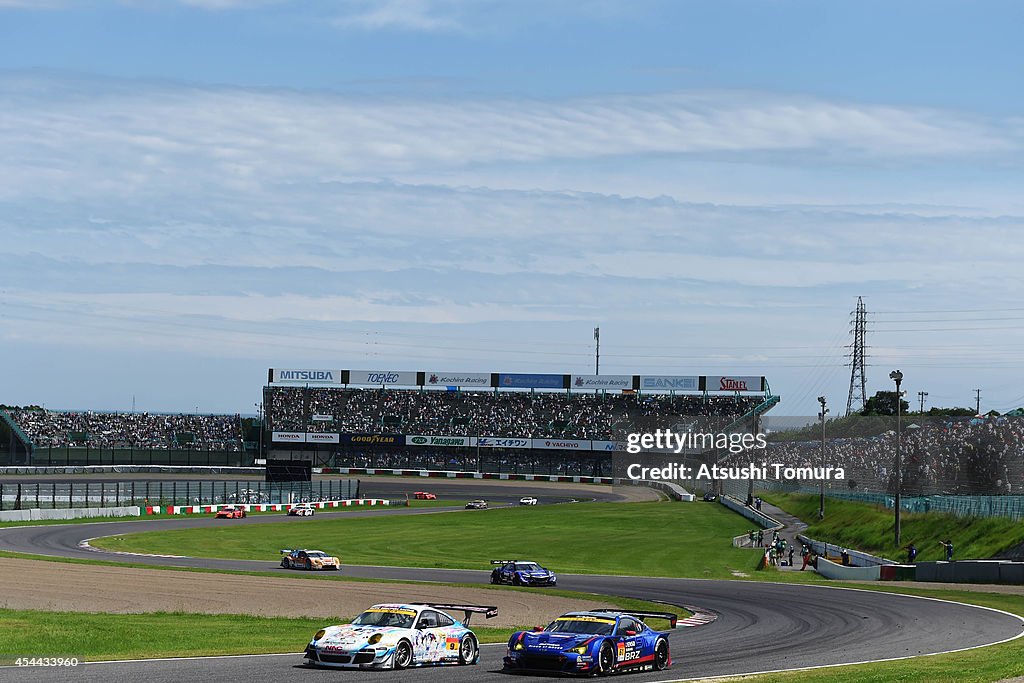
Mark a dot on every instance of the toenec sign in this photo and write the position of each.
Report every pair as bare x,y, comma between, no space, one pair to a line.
382,378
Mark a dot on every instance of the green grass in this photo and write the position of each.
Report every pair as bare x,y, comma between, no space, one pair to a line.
91,636
995,663
673,539
869,528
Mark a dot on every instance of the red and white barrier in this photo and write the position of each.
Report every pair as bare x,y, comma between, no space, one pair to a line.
267,507
465,475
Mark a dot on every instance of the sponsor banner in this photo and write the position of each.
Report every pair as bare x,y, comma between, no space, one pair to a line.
669,383
322,418
613,446
319,377
502,442
457,379
322,438
382,378
732,383
601,382
288,437
440,440
563,444
385,439
531,381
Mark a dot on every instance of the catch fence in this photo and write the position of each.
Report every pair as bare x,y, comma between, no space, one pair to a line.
65,494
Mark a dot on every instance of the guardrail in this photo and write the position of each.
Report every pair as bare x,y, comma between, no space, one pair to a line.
273,507
857,558
39,514
766,522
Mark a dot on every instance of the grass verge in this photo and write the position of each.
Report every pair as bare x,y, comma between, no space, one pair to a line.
869,528
673,540
92,636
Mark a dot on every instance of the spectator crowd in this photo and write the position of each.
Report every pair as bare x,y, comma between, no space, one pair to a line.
512,414
50,428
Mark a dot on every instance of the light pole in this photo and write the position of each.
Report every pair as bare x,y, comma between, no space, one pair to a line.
897,377
922,395
259,413
821,497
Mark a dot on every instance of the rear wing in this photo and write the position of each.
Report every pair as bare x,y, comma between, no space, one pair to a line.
670,617
489,612
285,551
502,561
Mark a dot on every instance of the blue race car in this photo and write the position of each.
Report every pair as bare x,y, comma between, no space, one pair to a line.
521,573
592,643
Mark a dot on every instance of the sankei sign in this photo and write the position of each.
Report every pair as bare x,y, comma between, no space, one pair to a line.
724,383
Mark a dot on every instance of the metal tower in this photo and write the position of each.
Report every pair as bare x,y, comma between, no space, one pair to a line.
858,360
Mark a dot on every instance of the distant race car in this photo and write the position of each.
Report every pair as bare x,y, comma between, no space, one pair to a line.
396,636
424,495
527,500
302,510
231,512
710,497
521,573
476,505
588,643
309,559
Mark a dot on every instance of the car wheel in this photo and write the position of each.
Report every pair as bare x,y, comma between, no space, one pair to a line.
403,655
309,565
284,564
494,578
605,659
467,650
516,581
661,655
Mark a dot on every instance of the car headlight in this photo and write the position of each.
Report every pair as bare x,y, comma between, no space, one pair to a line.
518,646
319,634
375,638
582,649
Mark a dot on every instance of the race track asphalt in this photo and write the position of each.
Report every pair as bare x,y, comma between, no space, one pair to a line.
759,626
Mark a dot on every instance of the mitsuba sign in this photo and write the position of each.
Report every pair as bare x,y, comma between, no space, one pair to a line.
382,378
458,379
669,383
601,382
447,441
721,383
308,376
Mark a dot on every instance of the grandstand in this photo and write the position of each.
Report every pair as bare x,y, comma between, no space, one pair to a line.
496,422
75,438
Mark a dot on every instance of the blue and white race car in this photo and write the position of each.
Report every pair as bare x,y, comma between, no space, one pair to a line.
398,636
588,643
522,573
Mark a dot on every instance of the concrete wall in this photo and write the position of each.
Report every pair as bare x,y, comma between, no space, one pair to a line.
674,490
758,518
831,570
972,571
36,514
857,558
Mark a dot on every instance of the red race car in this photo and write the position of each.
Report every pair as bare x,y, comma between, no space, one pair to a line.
231,512
424,495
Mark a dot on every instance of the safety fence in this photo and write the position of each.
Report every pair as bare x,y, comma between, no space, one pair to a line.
67,456
274,507
63,494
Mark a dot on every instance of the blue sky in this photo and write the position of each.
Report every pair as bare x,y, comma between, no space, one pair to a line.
194,191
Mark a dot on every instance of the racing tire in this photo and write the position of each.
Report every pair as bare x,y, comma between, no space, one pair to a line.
661,657
516,581
605,659
467,650
309,566
402,659
284,564
494,579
